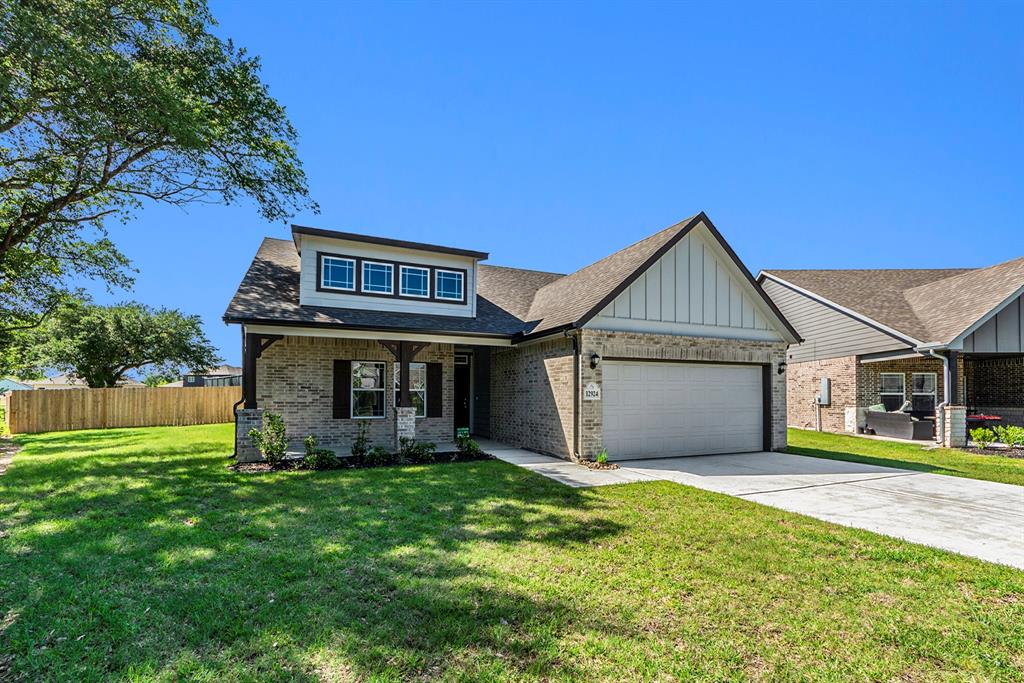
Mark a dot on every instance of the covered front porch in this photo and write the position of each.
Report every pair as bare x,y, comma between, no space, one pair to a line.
338,386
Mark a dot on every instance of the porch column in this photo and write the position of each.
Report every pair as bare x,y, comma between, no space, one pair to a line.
250,416
955,426
953,378
405,412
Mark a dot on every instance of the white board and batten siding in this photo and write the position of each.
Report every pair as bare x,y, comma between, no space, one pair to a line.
309,296
1002,333
695,289
827,333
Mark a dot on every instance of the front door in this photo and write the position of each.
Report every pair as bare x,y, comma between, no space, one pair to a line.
462,392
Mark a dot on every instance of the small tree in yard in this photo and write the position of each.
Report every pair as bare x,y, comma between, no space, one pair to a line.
101,344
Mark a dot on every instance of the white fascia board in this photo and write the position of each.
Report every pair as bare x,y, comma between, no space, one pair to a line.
335,333
850,312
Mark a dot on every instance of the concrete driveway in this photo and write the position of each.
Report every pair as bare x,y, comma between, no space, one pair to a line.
978,518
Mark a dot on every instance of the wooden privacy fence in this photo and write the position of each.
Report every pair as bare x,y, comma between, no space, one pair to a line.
50,410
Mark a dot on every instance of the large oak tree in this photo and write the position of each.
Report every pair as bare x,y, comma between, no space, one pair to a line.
106,104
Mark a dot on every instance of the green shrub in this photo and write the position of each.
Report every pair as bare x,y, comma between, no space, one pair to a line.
467,447
271,440
982,437
318,458
1011,435
413,451
602,457
361,444
376,457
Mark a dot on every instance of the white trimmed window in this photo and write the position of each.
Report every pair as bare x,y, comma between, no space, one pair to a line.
414,281
449,285
922,386
368,397
893,390
417,386
338,273
378,278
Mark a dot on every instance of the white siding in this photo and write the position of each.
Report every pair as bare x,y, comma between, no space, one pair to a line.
309,296
1003,333
695,289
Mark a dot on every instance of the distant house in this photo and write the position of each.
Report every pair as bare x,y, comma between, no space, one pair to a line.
68,381
11,384
223,376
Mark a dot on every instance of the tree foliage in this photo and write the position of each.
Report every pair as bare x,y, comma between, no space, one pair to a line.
101,344
107,103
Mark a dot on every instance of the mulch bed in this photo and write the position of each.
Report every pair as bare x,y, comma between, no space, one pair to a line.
998,452
590,464
349,463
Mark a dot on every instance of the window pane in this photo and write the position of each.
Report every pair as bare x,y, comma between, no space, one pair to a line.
367,375
892,384
924,384
415,281
449,285
377,277
417,386
923,404
339,273
892,403
367,404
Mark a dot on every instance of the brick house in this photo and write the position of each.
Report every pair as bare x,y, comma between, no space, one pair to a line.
948,341
667,347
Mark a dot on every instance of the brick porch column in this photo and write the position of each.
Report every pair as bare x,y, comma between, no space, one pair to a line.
405,423
955,427
246,419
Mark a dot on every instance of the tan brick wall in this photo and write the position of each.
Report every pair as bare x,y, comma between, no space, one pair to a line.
532,396
869,378
665,347
803,383
295,379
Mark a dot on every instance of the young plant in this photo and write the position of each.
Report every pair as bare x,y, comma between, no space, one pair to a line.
318,458
982,437
271,441
1011,435
467,447
412,451
361,444
602,457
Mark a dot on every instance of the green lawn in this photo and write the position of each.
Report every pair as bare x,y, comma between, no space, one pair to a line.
949,461
135,554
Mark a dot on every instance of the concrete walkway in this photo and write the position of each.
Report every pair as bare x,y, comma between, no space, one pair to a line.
977,518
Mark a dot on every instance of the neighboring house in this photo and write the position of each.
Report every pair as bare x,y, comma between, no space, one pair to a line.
667,347
222,376
953,336
11,384
67,381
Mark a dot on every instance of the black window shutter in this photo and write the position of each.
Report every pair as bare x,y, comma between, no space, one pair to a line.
342,389
435,390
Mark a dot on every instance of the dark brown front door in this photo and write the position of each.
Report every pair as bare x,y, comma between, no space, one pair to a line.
462,388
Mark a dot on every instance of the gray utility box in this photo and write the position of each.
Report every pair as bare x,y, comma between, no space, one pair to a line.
824,397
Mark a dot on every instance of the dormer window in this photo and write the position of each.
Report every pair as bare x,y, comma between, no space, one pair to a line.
415,281
338,273
378,278
449,285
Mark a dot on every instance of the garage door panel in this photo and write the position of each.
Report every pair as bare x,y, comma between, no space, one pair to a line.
672,409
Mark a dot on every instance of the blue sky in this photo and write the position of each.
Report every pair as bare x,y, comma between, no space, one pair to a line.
814,136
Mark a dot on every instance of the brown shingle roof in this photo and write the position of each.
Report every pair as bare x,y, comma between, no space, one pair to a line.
928,305
572,297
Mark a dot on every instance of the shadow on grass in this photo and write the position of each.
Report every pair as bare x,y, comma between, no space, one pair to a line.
869,460
138,561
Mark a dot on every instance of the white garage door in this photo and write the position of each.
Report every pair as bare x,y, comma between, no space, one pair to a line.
654,410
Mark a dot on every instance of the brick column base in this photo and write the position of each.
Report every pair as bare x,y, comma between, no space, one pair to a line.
956,427
405,423
246,419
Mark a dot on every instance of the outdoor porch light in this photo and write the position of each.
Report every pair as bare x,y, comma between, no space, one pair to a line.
782,367
594,360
